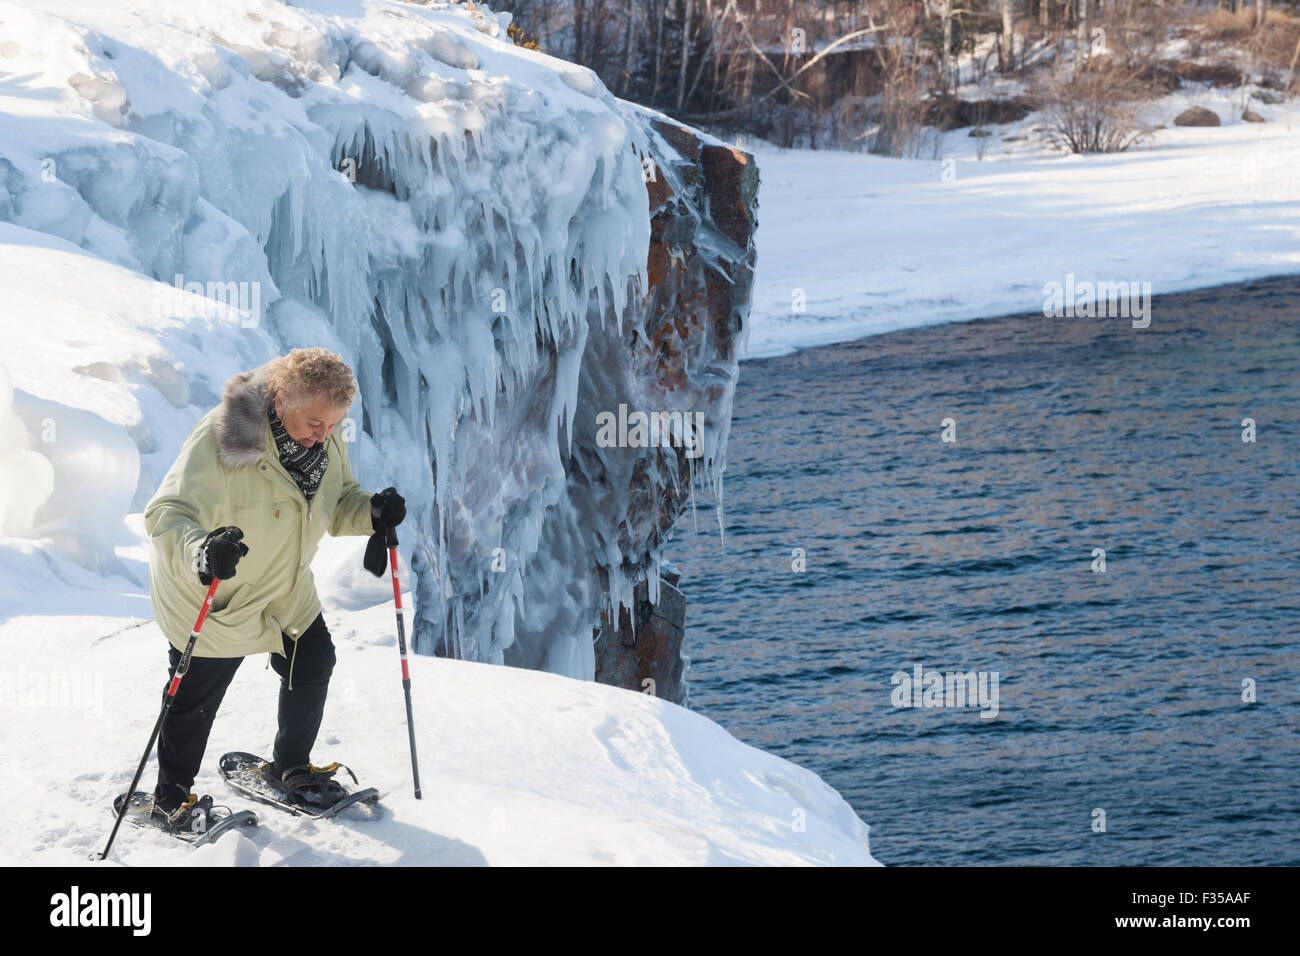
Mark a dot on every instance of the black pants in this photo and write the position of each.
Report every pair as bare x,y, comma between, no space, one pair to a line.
304,681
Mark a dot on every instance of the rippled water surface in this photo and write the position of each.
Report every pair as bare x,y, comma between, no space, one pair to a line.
1119,691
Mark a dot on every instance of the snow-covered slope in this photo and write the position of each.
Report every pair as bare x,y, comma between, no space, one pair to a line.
517,767
100,390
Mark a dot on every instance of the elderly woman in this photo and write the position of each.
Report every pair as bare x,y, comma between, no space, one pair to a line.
258,482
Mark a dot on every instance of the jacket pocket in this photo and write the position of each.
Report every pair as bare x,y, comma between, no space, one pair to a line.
273,532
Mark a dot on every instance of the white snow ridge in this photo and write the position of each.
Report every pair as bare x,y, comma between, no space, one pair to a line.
187,190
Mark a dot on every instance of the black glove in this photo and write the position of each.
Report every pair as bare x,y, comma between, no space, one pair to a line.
387,509
376,558
219,553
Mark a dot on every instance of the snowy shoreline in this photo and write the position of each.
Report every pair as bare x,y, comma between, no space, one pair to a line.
834,339
866,245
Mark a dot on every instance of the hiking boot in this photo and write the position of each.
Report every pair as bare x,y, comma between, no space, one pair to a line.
305,784
192,815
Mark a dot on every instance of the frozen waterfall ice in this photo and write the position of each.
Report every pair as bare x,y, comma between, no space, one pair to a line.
465,221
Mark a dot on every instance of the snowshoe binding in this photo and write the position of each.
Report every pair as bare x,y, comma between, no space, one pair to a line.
193,815
194,820
307,784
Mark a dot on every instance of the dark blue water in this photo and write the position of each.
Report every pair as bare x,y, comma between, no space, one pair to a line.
1120,691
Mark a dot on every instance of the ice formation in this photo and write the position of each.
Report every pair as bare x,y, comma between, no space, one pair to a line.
26,476
465,221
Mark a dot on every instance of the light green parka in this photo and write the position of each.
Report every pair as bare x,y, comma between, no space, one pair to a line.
229,473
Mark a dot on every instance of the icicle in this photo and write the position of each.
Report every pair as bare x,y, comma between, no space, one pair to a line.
722,534
690,471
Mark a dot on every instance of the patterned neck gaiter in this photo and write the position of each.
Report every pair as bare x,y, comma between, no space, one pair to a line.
306,466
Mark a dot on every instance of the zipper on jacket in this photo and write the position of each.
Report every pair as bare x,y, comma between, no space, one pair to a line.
304,532
277,465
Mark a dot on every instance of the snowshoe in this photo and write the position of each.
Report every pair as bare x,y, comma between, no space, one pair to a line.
196,821
308,790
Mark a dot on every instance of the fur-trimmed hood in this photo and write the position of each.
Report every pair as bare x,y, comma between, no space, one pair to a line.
241,419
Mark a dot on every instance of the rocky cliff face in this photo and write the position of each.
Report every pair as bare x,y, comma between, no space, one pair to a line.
703,205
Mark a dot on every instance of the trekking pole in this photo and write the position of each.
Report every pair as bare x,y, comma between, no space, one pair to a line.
182,667
391,538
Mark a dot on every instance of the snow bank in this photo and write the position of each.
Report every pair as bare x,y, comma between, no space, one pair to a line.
104,392
26,476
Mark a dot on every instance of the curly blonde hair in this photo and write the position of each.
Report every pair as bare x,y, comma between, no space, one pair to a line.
305,375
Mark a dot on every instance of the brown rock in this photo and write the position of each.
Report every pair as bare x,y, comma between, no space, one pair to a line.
684,349
731,182
949,112
684,140
1250,116
1215,74
646,658
1197,116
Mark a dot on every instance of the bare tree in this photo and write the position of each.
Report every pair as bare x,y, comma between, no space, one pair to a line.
1290,73
629,19
864,71
686,56
1081,35
659,13
1007,41
1096,113
707,55
945,13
